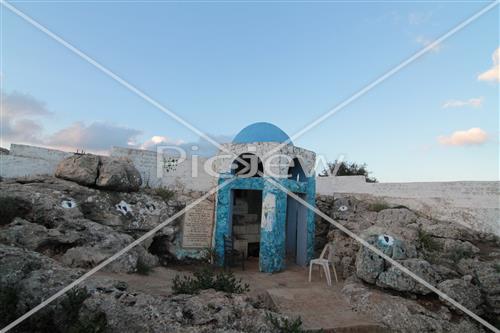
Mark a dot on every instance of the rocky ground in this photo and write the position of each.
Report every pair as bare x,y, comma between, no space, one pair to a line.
54,229
458,261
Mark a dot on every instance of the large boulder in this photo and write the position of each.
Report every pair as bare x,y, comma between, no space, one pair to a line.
464,292
118,174
79,168
110,173
394,278
369,265
400,314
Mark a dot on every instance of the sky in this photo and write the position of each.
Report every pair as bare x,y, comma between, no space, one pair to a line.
223,65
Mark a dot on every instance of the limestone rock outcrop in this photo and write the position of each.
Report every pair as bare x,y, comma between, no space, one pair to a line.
101,304
110,173
463,263
79,168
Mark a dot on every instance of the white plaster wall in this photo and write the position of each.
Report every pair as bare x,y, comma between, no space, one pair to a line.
24,160
19,166
474,204
47,154
188,174
470,203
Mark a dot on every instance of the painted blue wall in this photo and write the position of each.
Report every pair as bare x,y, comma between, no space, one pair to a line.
272,237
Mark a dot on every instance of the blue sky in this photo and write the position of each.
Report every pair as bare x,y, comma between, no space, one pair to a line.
222,66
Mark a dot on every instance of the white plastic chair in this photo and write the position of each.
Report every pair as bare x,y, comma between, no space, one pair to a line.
324,262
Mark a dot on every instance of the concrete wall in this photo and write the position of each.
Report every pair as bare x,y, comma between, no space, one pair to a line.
24,160
470,203
161,170
474,204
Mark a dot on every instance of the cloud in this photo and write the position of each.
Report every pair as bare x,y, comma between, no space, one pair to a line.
473,136
95,137
426,42
418,18
492,74
159,140
21,123
21,114
471,102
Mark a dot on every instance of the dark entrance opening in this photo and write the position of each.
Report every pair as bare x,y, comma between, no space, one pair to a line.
246,215
296,232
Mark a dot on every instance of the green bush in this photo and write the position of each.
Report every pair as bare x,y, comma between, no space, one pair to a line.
8,303
142,267
164,193
284,325
378,206
71,305
345,168
427,241
207,279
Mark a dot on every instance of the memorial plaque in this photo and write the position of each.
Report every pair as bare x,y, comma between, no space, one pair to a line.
198,225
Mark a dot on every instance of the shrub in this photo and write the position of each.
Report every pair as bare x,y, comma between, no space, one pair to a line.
284,325
378,206
427,241
185,285
226,282
348,169
459,254
71,305
207,279
164,193
142,267
209,255
496,266
8,303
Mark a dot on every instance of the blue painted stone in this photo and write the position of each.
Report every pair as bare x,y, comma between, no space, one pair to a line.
272,239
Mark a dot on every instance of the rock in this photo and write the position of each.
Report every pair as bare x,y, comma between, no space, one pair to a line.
4,151
487,275
110,173
464,292
118,174
395,279
368,264
38,238
401,217
79,168
101,304
403,315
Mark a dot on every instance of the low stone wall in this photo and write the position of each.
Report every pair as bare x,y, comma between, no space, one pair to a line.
156,171
163,170
470,203
24,160
474,204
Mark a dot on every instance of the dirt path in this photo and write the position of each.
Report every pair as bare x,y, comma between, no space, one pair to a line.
318,305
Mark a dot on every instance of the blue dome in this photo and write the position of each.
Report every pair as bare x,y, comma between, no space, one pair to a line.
261,132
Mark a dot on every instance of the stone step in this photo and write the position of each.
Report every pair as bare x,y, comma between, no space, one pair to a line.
322,308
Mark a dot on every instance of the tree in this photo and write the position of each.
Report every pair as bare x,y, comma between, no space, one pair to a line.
348,169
